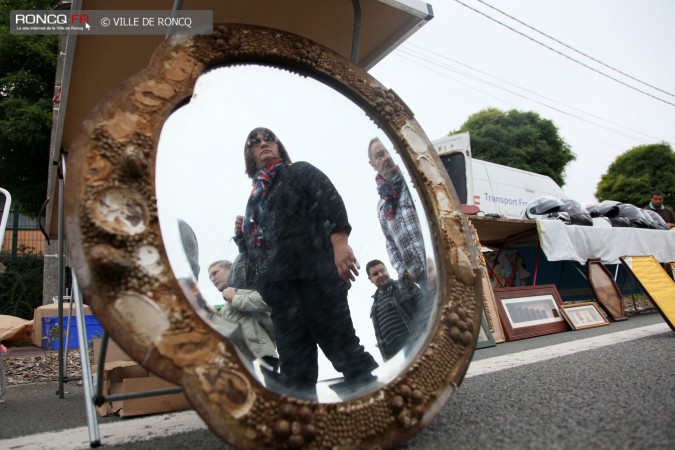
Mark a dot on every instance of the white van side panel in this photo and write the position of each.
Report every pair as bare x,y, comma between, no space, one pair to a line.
506,191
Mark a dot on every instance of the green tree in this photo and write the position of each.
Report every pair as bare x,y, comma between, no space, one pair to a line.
518,139
635,174
27,72
21,284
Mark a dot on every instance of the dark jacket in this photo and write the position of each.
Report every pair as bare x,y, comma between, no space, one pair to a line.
666,214
301,211
409,302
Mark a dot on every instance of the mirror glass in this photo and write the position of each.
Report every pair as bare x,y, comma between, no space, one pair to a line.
202,186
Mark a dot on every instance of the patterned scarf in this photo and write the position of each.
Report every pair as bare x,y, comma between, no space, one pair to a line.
390,192
254,208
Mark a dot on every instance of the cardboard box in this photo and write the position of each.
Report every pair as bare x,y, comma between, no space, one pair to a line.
114,374
112,353
151,405
51,310
128,376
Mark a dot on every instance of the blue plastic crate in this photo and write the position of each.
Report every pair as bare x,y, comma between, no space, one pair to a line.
94,331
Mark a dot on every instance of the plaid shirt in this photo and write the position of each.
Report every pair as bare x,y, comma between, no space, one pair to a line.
405,244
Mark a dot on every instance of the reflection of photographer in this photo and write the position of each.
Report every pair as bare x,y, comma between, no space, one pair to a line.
246,308
190,245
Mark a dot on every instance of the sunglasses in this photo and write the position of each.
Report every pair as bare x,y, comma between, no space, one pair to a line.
255,142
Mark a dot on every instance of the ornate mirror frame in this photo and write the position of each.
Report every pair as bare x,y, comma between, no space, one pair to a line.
117,251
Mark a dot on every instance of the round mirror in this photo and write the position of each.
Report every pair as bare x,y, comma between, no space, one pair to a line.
205,188
159,179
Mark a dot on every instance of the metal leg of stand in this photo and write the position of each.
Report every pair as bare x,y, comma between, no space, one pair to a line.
3,386
580,272
91,398
67,344
99,398
3,226
87,382
60,264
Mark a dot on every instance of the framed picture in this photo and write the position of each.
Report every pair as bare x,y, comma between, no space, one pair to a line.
605,289
494,326
584,315
530,311
655,282
490,310
485,338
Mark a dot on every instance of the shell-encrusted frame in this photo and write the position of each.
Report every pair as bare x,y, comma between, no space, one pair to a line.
117,251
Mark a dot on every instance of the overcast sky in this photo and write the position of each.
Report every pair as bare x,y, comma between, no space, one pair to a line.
459,63
462,62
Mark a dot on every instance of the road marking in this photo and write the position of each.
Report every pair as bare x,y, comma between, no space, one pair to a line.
151,427
536,355
114,433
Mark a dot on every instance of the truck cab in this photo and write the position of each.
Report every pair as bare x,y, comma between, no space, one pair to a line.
493,188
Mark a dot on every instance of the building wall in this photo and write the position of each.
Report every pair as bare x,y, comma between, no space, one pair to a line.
31,240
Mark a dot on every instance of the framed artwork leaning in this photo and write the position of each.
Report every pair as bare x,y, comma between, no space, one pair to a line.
605,289
530,311
490,313
655,282
485,338
584,315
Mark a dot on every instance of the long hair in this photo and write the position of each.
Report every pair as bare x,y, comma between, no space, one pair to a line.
251,167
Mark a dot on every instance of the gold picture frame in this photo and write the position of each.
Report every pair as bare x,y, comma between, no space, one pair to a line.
124,272
584,315
656,284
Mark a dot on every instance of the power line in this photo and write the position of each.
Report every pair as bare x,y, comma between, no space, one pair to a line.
564,55
415,60
517,94
531,92
593,137
575,50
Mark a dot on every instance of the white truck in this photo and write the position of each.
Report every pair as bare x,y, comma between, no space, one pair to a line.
493,188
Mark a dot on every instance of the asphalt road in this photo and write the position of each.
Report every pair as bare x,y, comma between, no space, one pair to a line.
604,388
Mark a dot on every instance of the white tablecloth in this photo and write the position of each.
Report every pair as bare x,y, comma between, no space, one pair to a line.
561,242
